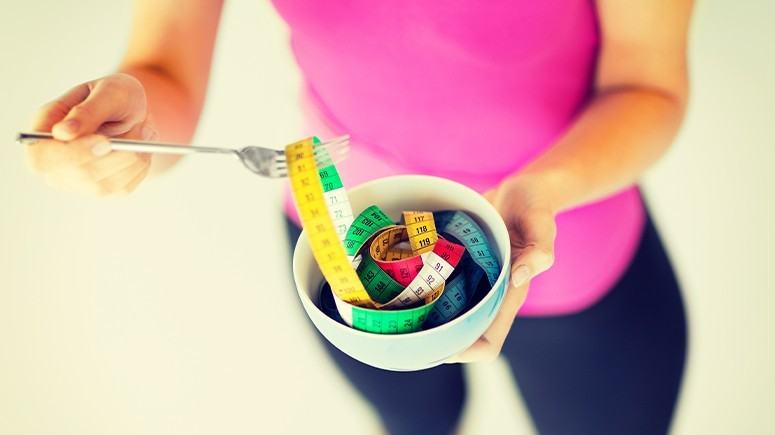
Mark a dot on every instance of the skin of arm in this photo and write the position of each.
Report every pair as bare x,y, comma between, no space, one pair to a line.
641,89
640,95
170,53
157,94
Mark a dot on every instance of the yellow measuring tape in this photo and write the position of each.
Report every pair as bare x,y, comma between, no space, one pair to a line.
324,240
421,229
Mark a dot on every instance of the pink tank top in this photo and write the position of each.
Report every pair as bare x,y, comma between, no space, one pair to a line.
471,91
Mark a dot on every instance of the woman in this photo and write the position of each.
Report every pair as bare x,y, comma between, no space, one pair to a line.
551,109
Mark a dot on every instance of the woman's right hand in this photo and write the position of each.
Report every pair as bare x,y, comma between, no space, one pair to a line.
79,158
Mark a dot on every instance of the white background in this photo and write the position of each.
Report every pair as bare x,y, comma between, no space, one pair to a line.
172,311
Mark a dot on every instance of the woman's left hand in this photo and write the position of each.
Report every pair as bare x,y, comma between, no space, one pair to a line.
530,219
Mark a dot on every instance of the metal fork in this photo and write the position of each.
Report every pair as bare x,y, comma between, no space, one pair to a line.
267,162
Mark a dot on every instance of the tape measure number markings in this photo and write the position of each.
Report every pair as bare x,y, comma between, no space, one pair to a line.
365,225
324,240
334,193
460,290
429,283
397,312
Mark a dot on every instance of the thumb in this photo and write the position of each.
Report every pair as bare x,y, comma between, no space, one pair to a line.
54,111
103,104
532,261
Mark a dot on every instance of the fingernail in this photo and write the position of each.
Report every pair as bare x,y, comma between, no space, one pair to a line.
100,149
68,127
520,275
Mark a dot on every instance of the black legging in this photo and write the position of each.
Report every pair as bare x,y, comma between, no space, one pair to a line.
614,368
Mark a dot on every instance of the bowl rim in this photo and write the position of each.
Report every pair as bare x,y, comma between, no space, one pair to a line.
503,275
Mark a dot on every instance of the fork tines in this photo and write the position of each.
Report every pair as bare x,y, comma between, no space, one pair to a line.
327,153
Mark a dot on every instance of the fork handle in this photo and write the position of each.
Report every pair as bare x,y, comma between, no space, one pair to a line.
138,146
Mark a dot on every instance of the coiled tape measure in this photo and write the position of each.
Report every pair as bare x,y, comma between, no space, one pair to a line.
382,276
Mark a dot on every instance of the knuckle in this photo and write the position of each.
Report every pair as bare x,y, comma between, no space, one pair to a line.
122,77
110,84
51,106
82,111
129,82
125,190
111,186
58,106
545,257
548,255
117,88
102,189
48,106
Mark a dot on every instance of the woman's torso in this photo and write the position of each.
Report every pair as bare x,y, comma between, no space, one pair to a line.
470,91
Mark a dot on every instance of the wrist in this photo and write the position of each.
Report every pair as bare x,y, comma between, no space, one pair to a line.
549,187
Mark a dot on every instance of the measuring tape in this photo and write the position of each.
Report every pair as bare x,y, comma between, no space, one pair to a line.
335,195
368,222
401,264
382,276
376,321
462,227
457,297
421,230
324,240
397,281
437,267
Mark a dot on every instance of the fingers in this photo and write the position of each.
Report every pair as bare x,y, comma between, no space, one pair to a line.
54,111
106,166
532,237
47,156
532,230
117,102
126,180
479,351
531,262
488,347
102,105
130,171
88,166
112,106
132,185
79,160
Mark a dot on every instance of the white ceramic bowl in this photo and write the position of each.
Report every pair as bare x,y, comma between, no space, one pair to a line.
422,349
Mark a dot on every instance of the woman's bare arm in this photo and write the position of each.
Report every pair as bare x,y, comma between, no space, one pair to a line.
640,97
158,93
170,52
639,101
